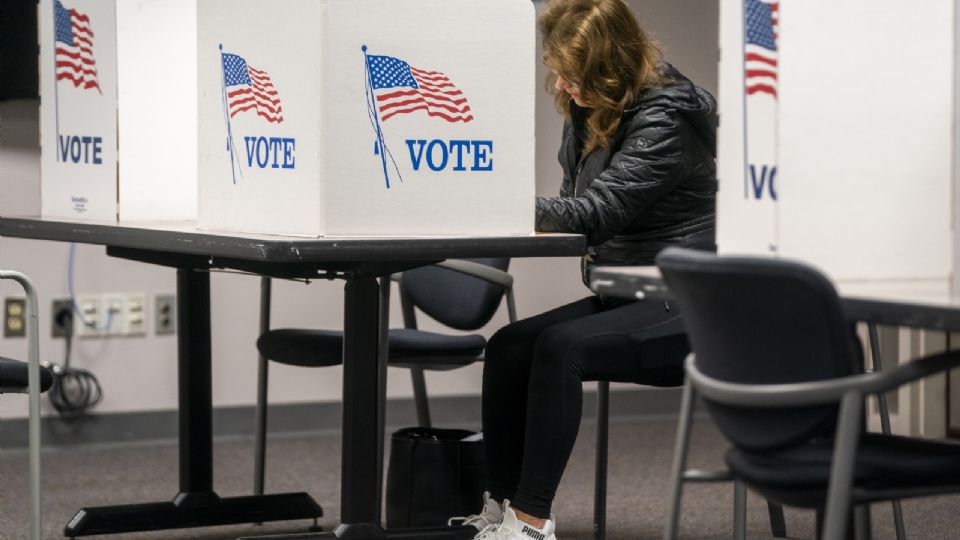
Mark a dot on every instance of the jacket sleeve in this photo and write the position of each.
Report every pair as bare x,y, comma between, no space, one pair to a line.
643,170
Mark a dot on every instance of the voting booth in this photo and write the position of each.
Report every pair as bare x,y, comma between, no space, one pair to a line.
118,109
367,117
838,146
838,135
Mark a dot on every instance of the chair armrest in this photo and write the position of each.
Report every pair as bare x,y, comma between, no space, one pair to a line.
817,392
470,268
481,271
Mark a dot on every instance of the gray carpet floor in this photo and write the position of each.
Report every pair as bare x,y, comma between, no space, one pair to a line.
638,487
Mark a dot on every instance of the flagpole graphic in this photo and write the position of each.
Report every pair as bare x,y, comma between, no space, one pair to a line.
56,91
379,146
226,115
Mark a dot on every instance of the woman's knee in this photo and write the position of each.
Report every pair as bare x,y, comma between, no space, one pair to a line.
513,335
555,347
509,344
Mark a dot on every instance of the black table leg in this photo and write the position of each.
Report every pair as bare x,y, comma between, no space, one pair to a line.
359,485
197,504
360,480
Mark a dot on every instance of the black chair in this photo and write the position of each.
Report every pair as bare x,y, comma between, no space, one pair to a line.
780,370
673,346
461,294
29,378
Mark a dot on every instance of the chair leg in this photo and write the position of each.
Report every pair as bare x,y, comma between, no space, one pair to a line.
383,342
260,417
778,524
420,397
33,384
600,476
680,460
739,510
260,437
841,470
819,524
861,522
885,421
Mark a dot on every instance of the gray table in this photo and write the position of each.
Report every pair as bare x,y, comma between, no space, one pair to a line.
357,261
929,304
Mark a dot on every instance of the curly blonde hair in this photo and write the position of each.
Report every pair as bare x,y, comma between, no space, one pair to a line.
599,44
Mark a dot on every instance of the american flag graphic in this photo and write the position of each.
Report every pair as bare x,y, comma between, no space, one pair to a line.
401,88
760,51
249,88
73,55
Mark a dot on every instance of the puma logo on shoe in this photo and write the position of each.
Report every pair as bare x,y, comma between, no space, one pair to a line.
533,533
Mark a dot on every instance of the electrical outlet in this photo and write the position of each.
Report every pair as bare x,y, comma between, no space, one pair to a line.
113,311
165,314
59,306
15,317
135,314
89,322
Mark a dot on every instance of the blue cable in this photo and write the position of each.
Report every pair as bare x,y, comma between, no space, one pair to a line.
73,296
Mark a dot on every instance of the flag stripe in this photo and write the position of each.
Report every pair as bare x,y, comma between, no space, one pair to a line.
761,73
247,91
269,118
79,16
426,72
753,57
77,81
392,95
762,88
85,58
443,97
250,96
396,104
75,68
266,107
430,112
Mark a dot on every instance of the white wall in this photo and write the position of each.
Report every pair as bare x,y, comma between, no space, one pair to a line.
139,374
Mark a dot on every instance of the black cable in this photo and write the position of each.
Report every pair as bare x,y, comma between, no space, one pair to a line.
74,390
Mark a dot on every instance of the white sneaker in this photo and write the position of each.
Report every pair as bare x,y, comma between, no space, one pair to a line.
511,528
491,514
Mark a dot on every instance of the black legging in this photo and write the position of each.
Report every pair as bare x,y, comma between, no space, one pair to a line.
532,385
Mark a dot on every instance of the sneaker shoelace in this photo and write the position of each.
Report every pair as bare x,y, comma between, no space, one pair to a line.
472,519
488,533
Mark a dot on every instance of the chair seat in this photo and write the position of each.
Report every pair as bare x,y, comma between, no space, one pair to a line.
883,462
13,374
317,348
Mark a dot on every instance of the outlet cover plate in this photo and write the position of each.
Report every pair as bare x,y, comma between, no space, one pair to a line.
59,304
165,314
15,317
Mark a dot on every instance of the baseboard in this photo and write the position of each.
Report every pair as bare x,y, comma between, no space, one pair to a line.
461,411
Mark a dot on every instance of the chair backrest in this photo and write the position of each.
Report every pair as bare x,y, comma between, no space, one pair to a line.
762,321
453,298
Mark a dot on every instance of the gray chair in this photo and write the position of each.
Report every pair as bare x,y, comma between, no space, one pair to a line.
461,294
31,378
781,372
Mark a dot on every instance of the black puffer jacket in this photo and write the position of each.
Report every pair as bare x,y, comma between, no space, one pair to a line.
655,184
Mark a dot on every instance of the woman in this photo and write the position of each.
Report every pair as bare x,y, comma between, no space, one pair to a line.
639,174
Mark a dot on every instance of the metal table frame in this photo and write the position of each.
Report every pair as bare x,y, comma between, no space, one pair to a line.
357,261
